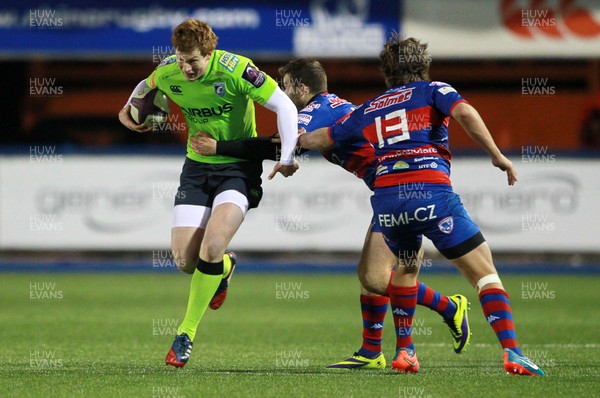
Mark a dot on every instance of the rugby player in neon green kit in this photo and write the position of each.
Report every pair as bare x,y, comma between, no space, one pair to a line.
216,90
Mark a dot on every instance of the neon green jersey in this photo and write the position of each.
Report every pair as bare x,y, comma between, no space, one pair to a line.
220,103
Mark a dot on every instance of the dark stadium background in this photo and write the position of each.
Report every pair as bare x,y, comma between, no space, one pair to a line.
94,91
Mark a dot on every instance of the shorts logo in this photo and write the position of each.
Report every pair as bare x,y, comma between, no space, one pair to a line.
220,88
254,76
446,225
255,193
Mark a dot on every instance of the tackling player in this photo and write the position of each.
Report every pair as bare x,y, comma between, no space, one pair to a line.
215,89
408,126
305,82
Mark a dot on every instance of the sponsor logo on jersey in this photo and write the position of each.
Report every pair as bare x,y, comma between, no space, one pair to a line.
212,111
446,90
336,101
229,61
417,151
304,119
219,88
446,225
408,152
175,89
254,76
400,165
422,159
381,170
311,106
388,100
432,165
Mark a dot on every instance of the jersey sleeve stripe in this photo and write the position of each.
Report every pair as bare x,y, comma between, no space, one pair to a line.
456,103
331,140
346,116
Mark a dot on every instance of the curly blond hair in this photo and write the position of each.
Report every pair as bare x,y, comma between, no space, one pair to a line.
193,34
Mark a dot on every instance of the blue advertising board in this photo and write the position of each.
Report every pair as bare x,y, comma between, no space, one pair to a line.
275,29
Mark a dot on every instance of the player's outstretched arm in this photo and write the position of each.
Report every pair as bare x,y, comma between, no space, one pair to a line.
259,148
473,124
287,118
125,116
317,140
289,169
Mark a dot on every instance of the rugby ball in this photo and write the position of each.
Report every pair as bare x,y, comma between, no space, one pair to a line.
149,106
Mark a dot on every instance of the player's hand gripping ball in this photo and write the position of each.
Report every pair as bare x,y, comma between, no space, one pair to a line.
149,106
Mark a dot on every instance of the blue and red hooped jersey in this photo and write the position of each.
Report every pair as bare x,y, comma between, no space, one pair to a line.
325,110
408,127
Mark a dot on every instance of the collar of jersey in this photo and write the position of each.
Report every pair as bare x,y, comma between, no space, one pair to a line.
314,98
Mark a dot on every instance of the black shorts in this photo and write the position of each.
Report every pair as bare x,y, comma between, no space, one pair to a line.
201,182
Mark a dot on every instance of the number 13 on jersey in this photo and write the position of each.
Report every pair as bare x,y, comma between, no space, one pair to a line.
393,128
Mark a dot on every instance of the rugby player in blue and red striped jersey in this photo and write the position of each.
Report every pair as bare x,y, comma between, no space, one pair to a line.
305,82
413,196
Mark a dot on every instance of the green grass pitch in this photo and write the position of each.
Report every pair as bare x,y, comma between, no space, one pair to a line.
106,335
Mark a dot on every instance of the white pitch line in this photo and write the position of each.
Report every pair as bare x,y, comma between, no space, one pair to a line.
488,345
